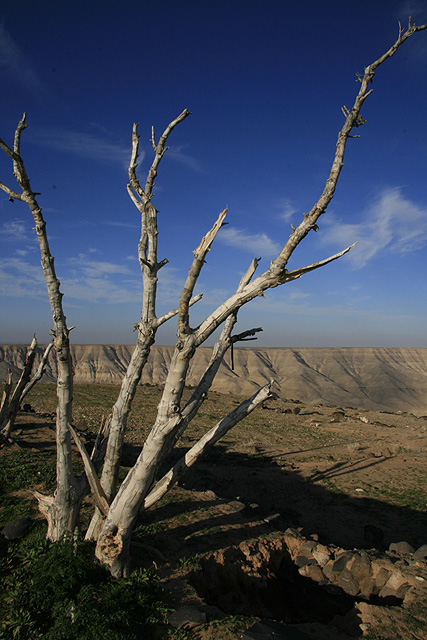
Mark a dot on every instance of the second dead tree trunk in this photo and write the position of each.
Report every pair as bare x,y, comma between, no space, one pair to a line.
12,401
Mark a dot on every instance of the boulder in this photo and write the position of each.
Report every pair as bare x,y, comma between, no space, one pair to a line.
401,547
272,630
186,616
321,554
420,555
16,528
381,578
348,583
312,571
360,566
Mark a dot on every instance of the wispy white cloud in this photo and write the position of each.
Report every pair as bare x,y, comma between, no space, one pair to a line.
177,154
99,289
393,223
83,144
285,306
287,209
99,269
15,67
97,281
124,225
20,278
14,229
258,244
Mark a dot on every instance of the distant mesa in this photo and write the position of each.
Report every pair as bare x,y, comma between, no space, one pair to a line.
369,378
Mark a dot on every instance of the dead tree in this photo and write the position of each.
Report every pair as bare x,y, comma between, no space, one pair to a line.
62,509
118,508
11,402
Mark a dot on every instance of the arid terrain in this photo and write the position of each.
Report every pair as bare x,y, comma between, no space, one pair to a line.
343,478
385,379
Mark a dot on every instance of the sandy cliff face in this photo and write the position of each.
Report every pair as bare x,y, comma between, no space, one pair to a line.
389,379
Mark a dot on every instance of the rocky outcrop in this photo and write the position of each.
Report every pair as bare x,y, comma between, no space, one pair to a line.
383,379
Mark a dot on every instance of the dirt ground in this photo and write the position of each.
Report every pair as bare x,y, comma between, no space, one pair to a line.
340,474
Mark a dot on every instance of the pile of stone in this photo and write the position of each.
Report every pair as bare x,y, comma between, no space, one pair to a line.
367,575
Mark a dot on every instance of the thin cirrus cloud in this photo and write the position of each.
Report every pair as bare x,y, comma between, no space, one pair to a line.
15,67
14,229
177,154
20,278
83,144
256,243
96,281
393,223
287,210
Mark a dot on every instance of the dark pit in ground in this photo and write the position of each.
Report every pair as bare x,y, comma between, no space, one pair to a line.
282,594
272,589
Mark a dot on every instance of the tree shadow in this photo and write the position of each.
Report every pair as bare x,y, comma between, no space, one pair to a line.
277,499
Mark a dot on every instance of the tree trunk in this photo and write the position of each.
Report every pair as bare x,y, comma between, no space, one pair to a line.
9,420
61,509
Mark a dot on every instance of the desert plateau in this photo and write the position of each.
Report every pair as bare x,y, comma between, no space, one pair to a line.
366,378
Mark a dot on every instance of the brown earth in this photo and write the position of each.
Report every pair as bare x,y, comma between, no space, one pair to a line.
336,474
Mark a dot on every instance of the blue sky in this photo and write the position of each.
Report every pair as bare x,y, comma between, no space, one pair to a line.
265,82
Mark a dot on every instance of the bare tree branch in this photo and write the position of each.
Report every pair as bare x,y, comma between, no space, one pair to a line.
160,150
194,272
95,485
206,441
297,273
40,371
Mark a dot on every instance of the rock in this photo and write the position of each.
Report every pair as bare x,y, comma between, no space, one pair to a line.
302,561
82,424
16,528
321,554
210,494
276,520
395,581
312,571
234,506
348,583
306,549
401,547
367,587
360,567
186,616
364,419
328,570
420,555
381,578
403,590
26,407
337,416
388,594
272,630
341,562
